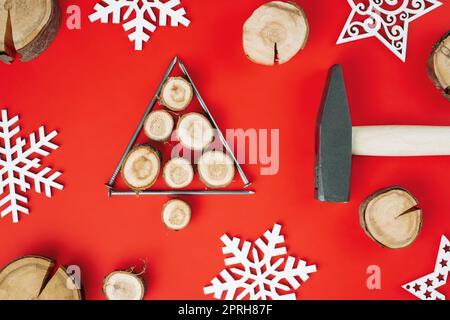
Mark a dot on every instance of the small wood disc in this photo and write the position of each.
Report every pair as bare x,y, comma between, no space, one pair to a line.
216,169
178,173
159,125
439,65
123,285
176,214
391,217
27,27
275,32
195,131
141,167
176,94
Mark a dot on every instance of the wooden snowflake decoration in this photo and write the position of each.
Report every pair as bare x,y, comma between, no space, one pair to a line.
141,17
259,271
20,168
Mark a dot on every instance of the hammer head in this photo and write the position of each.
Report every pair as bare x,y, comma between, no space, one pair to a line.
333,142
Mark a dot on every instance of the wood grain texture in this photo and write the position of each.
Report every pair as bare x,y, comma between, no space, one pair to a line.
391,217
32,278
401,141
438,65
27,27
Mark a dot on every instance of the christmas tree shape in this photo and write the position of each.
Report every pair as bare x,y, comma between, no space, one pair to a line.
113,190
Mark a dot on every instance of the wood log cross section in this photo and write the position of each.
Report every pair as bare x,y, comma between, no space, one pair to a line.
27,28
275,33
36,278
439,65
391,217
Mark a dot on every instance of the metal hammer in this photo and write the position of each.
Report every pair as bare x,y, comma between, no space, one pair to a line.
337,141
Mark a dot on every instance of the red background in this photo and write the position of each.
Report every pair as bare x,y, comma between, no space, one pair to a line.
93,88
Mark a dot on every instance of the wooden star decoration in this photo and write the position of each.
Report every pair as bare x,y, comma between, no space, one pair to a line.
387,20
425,287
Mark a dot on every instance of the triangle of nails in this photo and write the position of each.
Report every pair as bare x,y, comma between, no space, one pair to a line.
110,184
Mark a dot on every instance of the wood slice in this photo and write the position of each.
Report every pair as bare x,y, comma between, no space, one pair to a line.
141,167
28,278
123,285
29,27
176,94
178,173
176,214
24,278
438,65
216,169
61,287
6,43
195,131
159,125
391,217
275,32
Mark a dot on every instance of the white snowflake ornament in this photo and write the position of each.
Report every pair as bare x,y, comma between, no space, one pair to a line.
18,166
387,20
259,271
425,288
140,16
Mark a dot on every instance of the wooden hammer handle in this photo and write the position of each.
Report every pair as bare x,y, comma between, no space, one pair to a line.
401,141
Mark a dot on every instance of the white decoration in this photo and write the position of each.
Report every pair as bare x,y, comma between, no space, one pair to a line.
140,16
259,277
388,20
17,165
425,287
